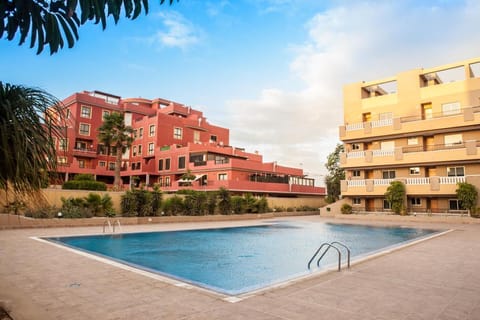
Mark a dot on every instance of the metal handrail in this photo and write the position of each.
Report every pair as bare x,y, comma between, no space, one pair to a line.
346,248
119,225
105,223
328,246
111,227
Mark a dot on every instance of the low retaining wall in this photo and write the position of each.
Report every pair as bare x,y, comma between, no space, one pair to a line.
8,221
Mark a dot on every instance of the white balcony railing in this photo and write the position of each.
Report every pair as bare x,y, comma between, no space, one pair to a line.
408,181
382,123
383,153
451,180
356,154
417,181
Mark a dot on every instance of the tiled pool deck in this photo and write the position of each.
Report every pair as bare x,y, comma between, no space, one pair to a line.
434,279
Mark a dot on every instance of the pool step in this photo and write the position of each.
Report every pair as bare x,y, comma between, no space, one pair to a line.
329,245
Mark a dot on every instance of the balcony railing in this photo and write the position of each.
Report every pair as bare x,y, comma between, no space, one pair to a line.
413,149
408,181
390,122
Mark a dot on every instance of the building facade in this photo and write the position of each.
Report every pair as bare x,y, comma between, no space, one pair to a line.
174,147
421,127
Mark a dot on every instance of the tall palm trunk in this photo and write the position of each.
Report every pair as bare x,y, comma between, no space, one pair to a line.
117,182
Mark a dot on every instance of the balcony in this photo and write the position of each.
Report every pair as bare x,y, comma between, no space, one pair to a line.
414,186
468,150
85,152
398,126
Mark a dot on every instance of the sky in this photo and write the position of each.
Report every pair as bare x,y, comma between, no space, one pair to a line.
272,71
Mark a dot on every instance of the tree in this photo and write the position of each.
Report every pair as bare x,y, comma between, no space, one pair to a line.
54,21
29,119
335,174
396,195
468,195
114,132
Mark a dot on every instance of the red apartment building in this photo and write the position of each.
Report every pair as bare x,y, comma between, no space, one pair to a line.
170,140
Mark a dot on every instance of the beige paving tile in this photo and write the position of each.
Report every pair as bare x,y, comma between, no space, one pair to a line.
436,279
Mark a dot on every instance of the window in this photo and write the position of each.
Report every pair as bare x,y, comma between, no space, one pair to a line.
389,174
386,205
85,112
150,148
356,201
213,138
196,136
105,113
415,170
102,164
62,160
134,151
160,165
167,164
181,162
451,108
67,114
167,181
111,166
81,163
412,141
453,139
454,204
135,134
177,133
84,129
113,151
133,166
63,144
367,117
355,146
222,176
139,149
151,130
356,173
455,171
140,133
415,202
160,182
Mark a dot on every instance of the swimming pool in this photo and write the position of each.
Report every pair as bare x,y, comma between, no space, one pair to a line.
238,260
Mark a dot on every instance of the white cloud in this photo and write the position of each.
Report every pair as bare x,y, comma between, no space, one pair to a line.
348,43
177,32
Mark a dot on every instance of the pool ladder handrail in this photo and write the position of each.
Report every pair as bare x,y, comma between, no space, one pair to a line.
328,246
110,226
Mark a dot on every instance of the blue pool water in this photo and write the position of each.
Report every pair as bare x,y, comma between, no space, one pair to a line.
241,259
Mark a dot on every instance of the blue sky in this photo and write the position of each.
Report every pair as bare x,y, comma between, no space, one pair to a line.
270,70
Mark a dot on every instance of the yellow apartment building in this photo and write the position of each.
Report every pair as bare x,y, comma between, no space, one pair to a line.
421,127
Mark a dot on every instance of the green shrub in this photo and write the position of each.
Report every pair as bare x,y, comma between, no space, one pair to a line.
224,201
211,202
173,206
156,201
129,204
43,212
262,205
84,185
75,208
346,209
237,204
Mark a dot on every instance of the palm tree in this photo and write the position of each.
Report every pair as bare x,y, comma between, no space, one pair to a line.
54,21
114,133
29,119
